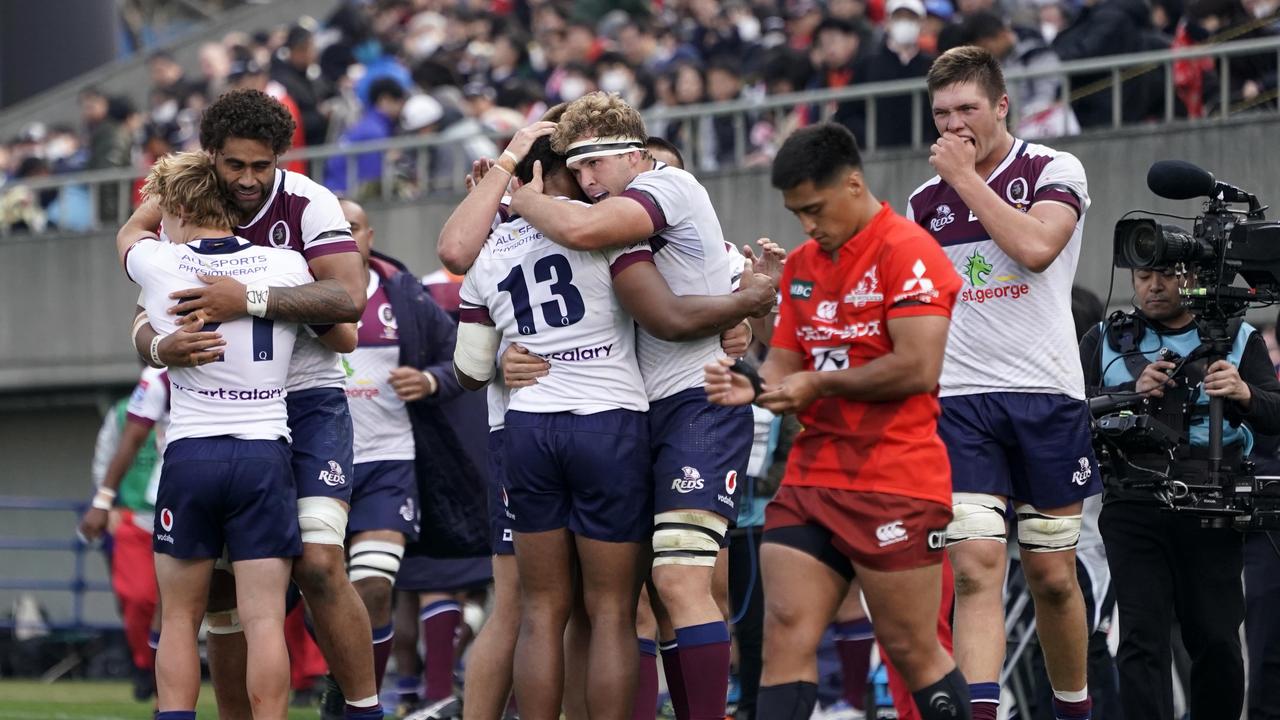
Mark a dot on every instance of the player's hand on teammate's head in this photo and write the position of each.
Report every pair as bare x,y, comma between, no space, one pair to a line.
222,299
736,340
525,137
725,387
191,345
479,169
520,368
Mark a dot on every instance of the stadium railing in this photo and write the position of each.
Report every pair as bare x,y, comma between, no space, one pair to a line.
410,154
77,585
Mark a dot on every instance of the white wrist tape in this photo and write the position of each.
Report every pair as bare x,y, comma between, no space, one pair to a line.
255,299
104,499
155,347
476,348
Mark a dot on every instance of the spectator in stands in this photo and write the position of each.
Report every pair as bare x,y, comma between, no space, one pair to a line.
21,209
215,64
938,15
711,34
614,74
1041,109
1113,27
639,45
109,146
167,75
897,57
724,84
1198,82
785,71
247,72
510,58
292,69
387,98
835,50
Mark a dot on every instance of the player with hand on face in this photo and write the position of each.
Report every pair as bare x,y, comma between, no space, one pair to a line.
1010,216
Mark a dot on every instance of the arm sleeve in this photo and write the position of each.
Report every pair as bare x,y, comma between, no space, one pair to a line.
1063,181
1264,405
667,195
622,258
325,229
919,278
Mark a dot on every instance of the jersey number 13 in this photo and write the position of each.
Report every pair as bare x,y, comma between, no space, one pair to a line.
556,270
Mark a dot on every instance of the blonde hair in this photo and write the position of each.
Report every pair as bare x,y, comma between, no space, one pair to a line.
597,114
185,184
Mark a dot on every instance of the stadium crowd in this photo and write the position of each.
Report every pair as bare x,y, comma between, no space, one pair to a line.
494,66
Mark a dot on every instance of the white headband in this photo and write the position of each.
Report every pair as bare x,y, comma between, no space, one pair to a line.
601,146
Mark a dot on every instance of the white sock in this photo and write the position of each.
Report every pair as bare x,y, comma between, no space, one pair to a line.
371,701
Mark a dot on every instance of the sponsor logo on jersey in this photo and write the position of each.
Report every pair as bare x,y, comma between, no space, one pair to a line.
942,218
917,288
731,482
333,477
388,320
826,311
936,539
580,354
1081,476
977,269
852,331
691,481
867,290
831,358
506,535
802,289
942,702
891,533
999,292
279,235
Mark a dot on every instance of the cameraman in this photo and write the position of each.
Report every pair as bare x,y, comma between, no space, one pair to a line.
1166,564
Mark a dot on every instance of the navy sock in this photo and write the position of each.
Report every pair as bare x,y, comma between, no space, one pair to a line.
792,701
947,699
984,700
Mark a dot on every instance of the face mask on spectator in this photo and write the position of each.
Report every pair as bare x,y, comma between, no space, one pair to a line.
1263,9
60,148
904,32
616,81
1048,31
748,27
572,88
165,112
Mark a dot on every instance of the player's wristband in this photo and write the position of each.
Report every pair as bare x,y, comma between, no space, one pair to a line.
499,166
104,499
255,299
508,153
432,383
743,368
155,350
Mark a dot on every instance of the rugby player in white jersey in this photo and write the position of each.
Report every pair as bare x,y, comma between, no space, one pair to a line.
220,488
576,451
699,449
1009,214
245,131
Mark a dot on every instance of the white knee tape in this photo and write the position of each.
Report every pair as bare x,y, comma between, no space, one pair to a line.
687,538
374,559
1038,532
224,623
976,516
473,616
322,520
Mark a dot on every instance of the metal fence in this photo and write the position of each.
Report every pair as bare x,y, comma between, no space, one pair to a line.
416,166
76,585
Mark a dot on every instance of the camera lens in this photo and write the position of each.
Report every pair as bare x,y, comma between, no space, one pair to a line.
1143,246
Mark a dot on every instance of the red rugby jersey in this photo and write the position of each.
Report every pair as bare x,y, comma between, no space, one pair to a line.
835,312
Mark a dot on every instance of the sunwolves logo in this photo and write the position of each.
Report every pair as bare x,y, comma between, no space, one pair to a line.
977,269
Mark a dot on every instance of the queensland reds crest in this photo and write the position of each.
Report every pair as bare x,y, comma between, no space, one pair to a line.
166,519
279,235
731,482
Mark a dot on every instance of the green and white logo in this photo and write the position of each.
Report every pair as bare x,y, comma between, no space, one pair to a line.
802,289
977,269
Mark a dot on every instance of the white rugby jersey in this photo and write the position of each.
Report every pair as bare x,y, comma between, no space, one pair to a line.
303,215
497,394
378,415
243,394
1011,329
560,305
149,406
689,250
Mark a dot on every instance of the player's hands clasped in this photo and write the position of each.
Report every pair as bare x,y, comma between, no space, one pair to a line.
191,345
770,261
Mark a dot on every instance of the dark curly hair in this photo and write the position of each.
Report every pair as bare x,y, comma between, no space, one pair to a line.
249,114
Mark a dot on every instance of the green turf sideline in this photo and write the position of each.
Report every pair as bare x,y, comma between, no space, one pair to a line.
93,700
